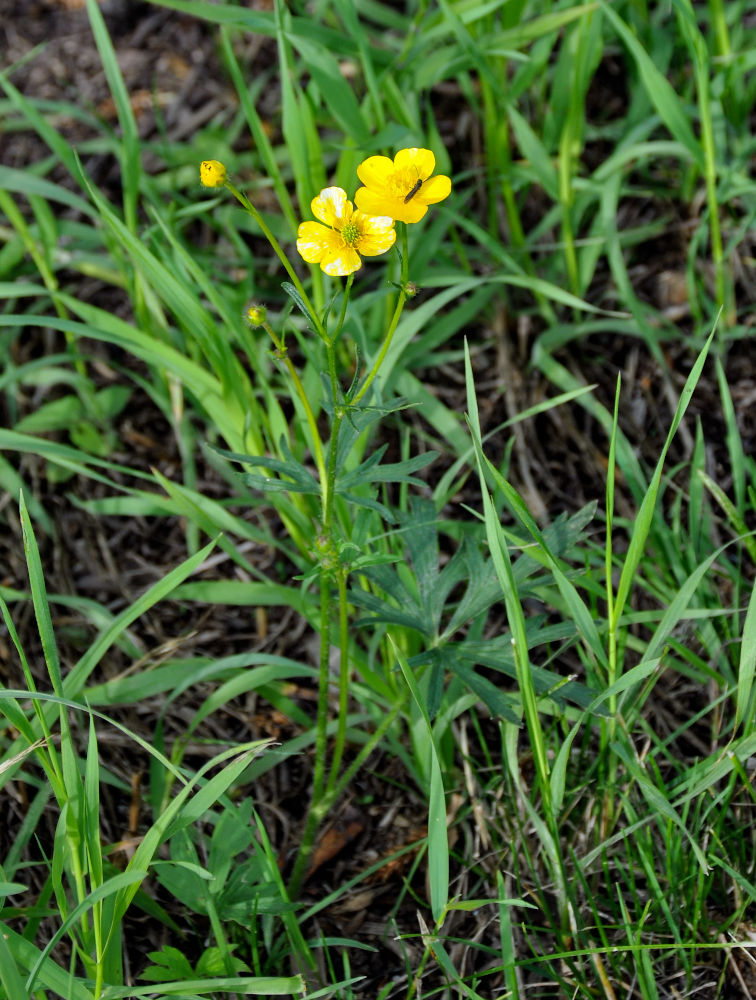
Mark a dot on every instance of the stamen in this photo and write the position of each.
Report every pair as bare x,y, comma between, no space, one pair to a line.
350,233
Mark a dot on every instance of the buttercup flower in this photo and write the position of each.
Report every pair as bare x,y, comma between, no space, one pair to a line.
346,234
212,173
401,188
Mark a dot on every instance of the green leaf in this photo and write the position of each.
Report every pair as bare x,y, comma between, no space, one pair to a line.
659,90
642,523
56,415
130,153
39,599
277,986
410,615
13,984
391,472
747,663
498,703
124,881
419,527
16,951
335,89
438,842
293,294
171,963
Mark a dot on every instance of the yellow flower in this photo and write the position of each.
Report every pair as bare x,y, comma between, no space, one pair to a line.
337,245
212,173
401,188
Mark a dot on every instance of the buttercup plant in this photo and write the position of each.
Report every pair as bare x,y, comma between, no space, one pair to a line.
397,191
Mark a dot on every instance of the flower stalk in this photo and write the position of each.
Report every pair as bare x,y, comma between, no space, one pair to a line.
251,210
393,191
398,309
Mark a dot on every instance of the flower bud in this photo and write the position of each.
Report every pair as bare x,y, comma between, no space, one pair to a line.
212,173
256,314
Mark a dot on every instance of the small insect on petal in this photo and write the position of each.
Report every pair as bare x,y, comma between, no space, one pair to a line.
413,192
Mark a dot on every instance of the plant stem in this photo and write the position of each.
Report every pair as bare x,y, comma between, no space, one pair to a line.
385,724
317,446
723,287
317,801
250,208
321,799
608,728
319,810
338,747
394,321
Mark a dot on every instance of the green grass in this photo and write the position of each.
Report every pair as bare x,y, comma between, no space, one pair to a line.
560,694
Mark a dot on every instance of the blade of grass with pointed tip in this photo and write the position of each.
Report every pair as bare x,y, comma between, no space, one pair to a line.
75,680
39,599
658,88
130,152
747,665
499,550
642,523
634,676
576,607
262,142
183,810
258,986
438,841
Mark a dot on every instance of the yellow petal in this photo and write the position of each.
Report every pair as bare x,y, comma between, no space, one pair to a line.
373,224
212,173
341,261
331,207
421,160
315,241
374,170
378,235
373,203
434,190
413,211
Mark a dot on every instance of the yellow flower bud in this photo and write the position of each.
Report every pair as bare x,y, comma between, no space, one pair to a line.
212,173
256,314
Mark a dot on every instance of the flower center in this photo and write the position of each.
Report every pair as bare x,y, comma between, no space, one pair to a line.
401,182
350,233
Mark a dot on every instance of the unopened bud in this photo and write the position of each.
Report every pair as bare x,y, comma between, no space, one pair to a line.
256,314
212,173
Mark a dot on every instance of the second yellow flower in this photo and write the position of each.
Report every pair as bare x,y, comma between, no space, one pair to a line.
344,236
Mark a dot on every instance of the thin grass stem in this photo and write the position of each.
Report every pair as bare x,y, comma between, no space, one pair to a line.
250,208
